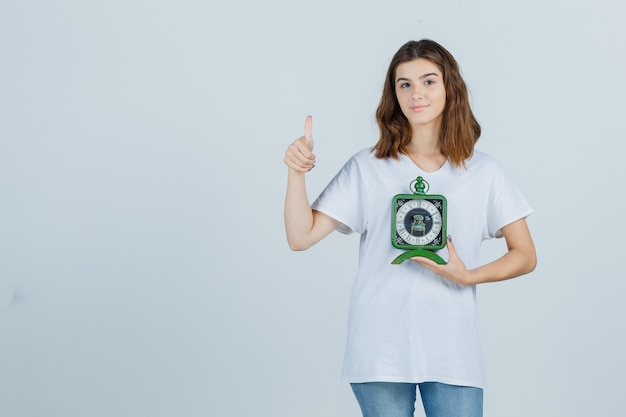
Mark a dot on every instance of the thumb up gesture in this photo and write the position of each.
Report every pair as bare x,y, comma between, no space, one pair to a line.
299,155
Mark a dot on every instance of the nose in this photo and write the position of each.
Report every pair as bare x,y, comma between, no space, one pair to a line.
417,93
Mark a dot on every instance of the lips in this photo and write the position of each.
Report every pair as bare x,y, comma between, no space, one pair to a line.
419,108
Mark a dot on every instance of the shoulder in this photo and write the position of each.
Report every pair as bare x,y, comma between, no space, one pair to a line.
364,155
482,162
362,159
479,157
368,156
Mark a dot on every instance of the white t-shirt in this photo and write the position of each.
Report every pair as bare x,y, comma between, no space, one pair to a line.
405,323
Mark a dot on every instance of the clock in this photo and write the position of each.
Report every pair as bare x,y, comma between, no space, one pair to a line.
418,223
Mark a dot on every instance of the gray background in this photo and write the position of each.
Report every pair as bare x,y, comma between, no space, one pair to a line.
143,265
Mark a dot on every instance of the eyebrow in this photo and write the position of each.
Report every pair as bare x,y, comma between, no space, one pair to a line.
419,78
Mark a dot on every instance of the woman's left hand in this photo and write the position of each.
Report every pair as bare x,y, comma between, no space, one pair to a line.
454,270
519,259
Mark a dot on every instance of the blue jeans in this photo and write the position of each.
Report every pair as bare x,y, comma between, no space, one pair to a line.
397,399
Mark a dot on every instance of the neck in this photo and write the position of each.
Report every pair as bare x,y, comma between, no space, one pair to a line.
425,140
425,150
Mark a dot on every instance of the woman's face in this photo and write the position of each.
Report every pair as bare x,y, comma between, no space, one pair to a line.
420,92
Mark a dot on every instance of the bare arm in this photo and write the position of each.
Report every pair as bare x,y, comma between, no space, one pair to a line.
519,259
304,226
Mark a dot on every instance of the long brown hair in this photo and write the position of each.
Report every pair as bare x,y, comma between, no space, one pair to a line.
459,129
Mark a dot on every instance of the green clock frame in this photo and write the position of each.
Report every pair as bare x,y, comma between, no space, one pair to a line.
419,223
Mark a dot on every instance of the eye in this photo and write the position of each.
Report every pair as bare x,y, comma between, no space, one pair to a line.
429,82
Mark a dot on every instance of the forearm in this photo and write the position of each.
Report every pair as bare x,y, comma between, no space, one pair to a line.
514,263
519,259
304,226
298,213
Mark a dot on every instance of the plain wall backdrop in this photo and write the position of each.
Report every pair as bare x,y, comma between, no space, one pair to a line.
143,265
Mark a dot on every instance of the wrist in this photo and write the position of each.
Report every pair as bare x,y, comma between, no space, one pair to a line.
472,277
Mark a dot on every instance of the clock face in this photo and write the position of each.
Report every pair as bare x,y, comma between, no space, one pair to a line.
419,221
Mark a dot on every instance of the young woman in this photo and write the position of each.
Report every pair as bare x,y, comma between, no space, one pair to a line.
415,325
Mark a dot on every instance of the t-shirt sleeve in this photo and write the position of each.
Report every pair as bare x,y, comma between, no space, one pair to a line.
343,199
506,205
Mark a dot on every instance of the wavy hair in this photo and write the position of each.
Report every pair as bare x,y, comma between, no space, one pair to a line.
459,129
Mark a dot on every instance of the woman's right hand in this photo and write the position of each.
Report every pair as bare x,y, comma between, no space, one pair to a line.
299,155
